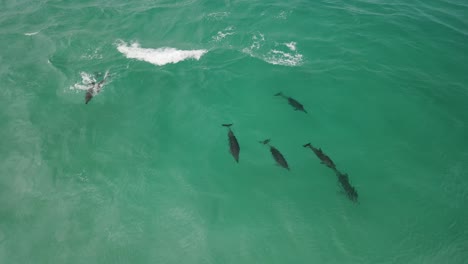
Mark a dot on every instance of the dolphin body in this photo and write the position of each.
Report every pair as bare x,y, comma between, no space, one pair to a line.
279,158
95,89
343,178
233,144
350,191
293,102
322,156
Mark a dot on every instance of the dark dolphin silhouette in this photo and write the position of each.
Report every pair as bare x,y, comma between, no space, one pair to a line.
233,144
280,160
322,156
343,178
94,89
350,191
293,102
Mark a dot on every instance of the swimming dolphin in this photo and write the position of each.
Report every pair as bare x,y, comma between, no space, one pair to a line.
293,102
322,156
233,144
280,160
94,89
350,191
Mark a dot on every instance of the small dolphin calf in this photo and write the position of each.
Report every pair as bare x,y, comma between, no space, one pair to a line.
94,89
280,160
347,187
293,102
322,156
233,144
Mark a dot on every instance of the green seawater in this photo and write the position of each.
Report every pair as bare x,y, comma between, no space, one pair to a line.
143,173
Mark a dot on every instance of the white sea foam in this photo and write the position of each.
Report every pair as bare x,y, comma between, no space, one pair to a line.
274,54
283,15
93,54
31,33
217,15
84,84
87,80
291,45
278,57
160,56
257,41
221,35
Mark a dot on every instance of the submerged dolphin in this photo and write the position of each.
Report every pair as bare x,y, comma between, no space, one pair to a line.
233,144
350,191
280,160
322,156
293,102
94,89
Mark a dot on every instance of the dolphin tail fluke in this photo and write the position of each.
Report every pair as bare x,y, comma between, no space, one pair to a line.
266,141
227,125
307,145
279,94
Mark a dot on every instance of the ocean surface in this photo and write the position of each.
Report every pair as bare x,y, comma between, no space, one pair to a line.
143,173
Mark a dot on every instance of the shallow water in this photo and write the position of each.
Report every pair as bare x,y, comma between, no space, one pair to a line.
143,173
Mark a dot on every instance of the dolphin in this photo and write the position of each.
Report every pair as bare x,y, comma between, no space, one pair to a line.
94,89
322,156
293,102
233,144
350,191
280,160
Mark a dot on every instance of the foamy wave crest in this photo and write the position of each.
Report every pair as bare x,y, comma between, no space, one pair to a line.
160,56
275,54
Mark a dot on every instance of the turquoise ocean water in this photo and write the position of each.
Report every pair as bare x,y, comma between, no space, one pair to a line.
143,173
